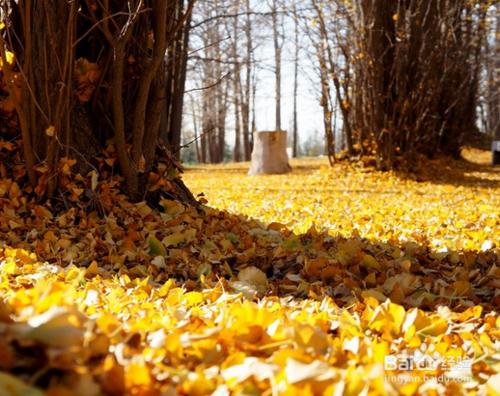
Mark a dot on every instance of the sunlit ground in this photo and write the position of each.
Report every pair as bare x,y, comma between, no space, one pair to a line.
446,204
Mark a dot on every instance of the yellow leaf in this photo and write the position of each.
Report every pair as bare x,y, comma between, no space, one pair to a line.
8,267
437,327
317,370
58,327
107,323
255,277
137,374
370,262
193,298
50,131
156,248
179,237
398,315
9,57
373,293
469,313
493,385
92,269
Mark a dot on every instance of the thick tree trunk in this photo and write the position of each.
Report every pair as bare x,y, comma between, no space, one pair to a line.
416,56
84,80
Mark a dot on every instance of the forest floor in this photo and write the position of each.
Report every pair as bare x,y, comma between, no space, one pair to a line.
324,281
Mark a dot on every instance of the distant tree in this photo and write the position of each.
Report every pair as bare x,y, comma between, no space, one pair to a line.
214,69
404,75
313,145
236,84
222,66
491,85
296,44
248,89
325,26
418,75
278,40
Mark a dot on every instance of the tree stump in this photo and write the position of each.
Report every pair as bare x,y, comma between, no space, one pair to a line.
269,153
495,152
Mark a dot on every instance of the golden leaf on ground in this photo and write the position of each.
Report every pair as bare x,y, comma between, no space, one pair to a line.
58,327
316,371
156,248
356,266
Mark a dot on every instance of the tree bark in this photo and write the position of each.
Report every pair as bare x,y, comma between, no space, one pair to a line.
79,63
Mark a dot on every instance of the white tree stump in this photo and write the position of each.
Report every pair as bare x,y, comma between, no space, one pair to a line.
269,153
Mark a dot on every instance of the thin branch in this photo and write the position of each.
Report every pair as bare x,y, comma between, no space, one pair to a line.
211,85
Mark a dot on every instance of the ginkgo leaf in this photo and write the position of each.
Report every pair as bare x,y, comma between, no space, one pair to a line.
351,345
493,385
58,327
255,277
297,298
179,237
9,57
370,262
156,248
317,370
250,367
50,131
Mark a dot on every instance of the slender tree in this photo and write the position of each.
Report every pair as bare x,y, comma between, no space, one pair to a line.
277,27
236,86
394,72
296,44
246,91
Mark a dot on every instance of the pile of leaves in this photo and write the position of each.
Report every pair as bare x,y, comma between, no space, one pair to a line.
336,270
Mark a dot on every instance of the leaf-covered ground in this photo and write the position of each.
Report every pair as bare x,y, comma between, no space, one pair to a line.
341,271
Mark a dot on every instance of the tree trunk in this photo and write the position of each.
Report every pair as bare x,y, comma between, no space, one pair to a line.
413,58
173,133
246,92
80,66
295,81
277,63
236,89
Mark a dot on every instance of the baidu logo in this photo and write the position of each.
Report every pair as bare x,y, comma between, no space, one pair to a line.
426,360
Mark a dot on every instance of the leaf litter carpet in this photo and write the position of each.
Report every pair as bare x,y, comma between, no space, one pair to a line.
325,281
